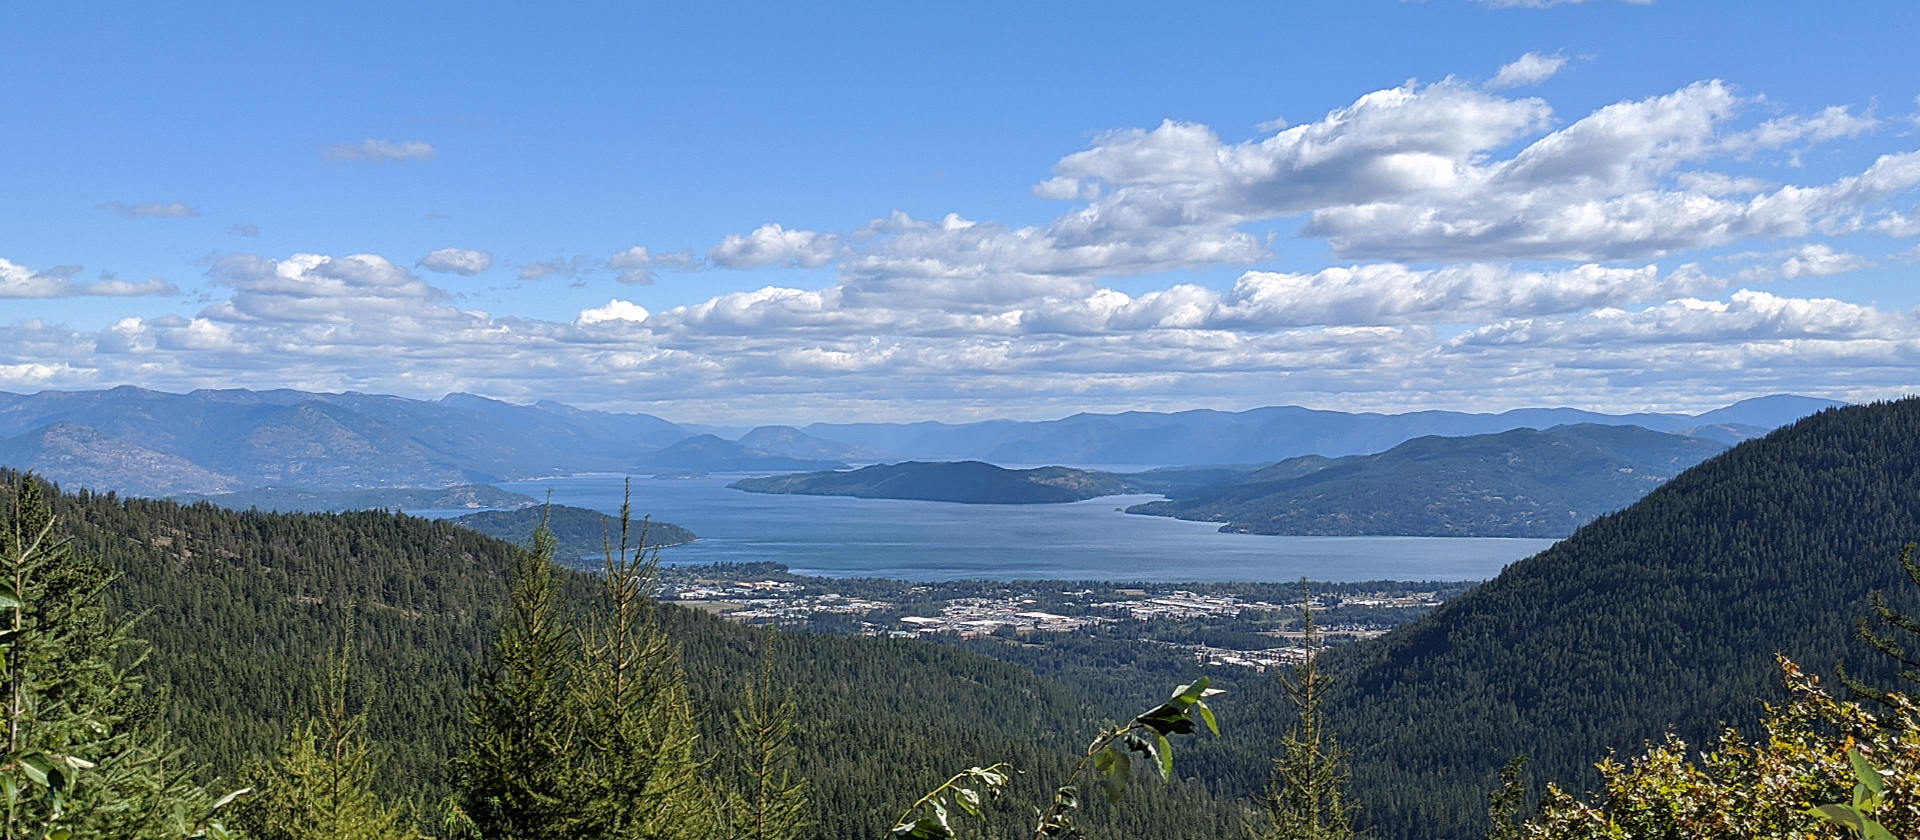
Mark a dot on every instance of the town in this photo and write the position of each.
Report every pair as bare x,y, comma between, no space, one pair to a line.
1249,625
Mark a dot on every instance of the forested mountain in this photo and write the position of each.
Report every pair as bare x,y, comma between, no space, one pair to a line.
971,482
292,500
1522,483
1263,434
241,609
1665,614
581,536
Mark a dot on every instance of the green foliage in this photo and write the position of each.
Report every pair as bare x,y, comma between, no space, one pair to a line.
1307,794
320,786
1504,802
85,755
632,719
768,798
515,780
1773,788
1109,756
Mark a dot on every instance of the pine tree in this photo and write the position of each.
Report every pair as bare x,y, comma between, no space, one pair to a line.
1306,798
770,800
516,779
634,719
78,726
321,785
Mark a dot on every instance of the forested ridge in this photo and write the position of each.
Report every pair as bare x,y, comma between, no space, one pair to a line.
1664,616
242,608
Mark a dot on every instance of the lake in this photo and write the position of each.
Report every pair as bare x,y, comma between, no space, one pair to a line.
832,536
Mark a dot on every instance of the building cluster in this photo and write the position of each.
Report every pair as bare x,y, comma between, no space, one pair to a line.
1184,605
971,617
763,601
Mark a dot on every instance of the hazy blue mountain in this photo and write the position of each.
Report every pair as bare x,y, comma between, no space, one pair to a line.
708,453
793,443
1263,434
82,456
225,440
295,500
1519,483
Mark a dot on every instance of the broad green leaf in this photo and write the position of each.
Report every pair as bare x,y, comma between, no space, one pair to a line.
1865,772
923,829
1876,831
36,766
1187,694
10,597
1206,716
1841,814
1163,749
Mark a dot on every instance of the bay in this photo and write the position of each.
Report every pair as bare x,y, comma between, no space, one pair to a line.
832,536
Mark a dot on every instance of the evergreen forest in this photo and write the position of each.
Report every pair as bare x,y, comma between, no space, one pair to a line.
188,671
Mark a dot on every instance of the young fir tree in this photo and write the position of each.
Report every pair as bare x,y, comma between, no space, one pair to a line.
1306,798
517,779
85,754
633,718
321,785
769,801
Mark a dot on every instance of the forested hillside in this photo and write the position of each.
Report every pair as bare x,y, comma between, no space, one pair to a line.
1665,614
241,609
1522,483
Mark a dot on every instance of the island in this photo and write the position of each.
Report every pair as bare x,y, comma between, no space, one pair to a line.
967,482
580,535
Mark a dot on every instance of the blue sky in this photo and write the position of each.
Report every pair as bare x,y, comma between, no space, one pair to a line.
790,212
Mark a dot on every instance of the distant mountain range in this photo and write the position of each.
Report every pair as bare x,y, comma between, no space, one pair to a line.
1266,434
144,442
1520,483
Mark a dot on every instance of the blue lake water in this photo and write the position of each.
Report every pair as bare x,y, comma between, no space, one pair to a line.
1091,540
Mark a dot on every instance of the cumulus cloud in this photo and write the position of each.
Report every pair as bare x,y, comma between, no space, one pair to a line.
149,210
637,265
1820,260
371,149
18,281
1527,70
614,310
456,261
771,244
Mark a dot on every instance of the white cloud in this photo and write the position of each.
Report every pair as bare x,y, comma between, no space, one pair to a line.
371,149
127,288
614,310
456,261
1835,122
1528,70
771,244
149,210
637,265
557,267
18,281
1820,260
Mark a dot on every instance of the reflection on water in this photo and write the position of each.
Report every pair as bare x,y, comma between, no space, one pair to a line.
1090,540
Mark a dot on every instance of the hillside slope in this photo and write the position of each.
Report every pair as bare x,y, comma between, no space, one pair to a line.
1666,613
1522,483
241,609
